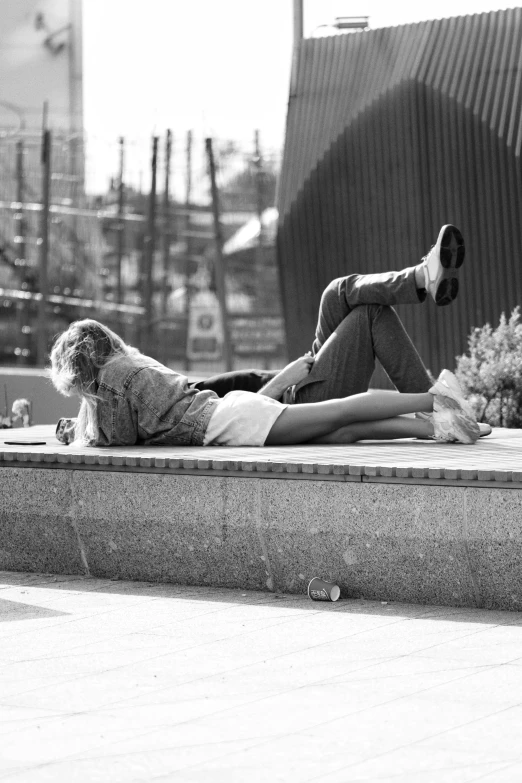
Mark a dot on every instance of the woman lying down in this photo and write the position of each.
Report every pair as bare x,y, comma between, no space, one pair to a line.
128,398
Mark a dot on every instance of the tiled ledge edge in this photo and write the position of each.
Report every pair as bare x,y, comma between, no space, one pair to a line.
270,469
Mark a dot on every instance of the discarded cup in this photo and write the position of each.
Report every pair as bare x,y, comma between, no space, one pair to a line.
321,590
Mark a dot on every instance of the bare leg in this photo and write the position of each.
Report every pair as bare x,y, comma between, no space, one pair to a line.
384,429
302,423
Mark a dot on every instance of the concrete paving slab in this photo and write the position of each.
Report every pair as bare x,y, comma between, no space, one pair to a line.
126,681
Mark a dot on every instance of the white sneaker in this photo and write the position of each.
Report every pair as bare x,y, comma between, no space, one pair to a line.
441,265
451,424
449,381
484,429
448,386
452,418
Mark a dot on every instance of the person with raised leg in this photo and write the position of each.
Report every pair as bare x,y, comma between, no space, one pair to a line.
326,398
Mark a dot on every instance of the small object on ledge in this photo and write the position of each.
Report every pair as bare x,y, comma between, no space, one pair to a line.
25,442
65,431
22,410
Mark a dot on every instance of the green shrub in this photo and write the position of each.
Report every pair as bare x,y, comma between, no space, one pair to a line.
491,372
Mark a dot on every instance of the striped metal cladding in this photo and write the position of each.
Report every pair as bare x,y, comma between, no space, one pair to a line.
392,133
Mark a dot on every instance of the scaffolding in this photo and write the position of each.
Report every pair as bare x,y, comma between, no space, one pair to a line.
130,256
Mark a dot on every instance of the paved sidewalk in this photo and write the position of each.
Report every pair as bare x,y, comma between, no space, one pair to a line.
120,681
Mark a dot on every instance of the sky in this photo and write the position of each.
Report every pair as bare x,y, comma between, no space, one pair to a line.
218,67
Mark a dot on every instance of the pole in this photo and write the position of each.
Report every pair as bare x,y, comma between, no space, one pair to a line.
75,141
260,253
43,242
219,265
298,36
166,223
75,56
188,241
120,223
7,417
20,195
149,248
167,234
258,163
24,307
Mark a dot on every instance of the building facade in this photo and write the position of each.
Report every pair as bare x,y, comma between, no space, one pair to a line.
41,90
390,134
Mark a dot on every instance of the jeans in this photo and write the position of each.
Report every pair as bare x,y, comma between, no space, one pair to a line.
356,325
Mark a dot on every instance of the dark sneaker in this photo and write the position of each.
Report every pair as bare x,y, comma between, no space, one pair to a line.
441,265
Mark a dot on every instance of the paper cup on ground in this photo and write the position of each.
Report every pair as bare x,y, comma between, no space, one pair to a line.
321,590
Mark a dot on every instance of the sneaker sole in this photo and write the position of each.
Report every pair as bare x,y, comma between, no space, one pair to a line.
484,429
451,256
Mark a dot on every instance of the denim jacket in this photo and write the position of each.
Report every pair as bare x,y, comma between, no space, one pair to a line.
142,401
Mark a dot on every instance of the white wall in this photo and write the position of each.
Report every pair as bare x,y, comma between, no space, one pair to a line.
40,60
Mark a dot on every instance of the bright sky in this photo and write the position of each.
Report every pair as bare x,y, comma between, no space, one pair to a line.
219,67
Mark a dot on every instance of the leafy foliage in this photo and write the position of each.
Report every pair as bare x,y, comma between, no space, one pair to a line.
491,372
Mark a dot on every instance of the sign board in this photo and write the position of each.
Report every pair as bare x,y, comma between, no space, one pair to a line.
257,334
205,338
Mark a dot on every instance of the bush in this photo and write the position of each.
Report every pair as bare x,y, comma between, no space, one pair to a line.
491,372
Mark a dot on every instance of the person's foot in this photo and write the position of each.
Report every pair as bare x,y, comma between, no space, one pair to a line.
441,265
484,429
450,424
452,417
451,386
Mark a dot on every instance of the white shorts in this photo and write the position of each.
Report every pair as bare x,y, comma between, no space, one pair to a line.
242,418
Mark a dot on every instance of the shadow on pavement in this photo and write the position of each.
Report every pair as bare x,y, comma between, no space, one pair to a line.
224,595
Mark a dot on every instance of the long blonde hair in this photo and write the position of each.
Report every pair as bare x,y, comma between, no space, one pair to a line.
77,356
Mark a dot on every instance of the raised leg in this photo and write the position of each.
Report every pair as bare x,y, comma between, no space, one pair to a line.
345,362
437,273
344,294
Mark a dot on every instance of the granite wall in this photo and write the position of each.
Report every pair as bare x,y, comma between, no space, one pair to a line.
459,546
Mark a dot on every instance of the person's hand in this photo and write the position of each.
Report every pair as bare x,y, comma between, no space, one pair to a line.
297,370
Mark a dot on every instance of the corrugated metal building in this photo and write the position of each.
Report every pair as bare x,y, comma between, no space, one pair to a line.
390,134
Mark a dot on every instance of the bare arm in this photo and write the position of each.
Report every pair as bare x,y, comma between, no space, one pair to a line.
293,373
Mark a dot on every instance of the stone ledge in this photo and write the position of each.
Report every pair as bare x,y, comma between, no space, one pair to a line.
406,520
438,544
